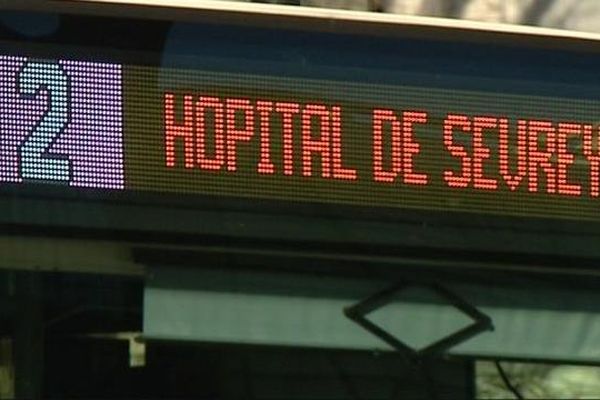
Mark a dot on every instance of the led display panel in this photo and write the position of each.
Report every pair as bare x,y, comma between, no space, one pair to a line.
61,122
193,132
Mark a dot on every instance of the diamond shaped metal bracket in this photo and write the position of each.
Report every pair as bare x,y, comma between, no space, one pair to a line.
358,313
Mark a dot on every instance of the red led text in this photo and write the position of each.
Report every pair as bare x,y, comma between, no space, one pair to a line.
235,123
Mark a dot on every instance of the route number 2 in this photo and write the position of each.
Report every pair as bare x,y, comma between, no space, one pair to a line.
35,162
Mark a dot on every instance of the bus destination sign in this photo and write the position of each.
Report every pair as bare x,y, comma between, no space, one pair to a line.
192,132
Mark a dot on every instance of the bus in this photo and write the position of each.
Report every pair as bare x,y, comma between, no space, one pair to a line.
236,200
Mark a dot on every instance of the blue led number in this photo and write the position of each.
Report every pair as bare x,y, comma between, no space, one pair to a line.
35,164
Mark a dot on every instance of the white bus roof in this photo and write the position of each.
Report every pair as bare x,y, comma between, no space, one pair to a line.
315,19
